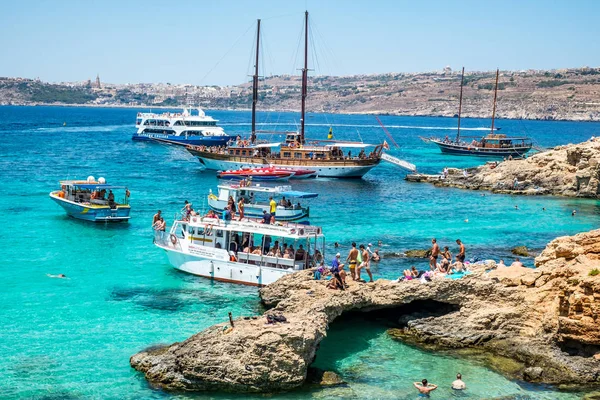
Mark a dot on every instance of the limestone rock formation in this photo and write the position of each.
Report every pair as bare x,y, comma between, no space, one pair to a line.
547,319
572,170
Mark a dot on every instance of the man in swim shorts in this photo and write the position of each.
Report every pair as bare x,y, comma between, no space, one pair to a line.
435,251
461,252
366,264
352,259
423,387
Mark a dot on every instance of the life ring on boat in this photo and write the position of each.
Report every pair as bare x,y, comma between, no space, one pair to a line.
232,258
173,239
212,197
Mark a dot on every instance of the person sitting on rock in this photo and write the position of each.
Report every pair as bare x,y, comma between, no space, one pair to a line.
458,266
517,263
501,263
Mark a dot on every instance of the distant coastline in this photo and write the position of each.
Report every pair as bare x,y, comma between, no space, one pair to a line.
552,95
387,113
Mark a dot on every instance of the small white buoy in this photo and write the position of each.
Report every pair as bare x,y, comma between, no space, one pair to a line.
101,180
90,179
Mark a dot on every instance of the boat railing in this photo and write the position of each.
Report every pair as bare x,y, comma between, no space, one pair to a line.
289,227
164,239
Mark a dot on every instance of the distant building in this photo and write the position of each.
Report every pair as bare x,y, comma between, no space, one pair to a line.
98,86
447,69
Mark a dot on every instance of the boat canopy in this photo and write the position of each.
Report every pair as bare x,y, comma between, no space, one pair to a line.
98,186
289,230
284,190
299,195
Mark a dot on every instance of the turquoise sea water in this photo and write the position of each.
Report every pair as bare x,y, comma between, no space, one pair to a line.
72,338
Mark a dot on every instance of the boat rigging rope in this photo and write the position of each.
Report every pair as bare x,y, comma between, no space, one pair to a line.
226,53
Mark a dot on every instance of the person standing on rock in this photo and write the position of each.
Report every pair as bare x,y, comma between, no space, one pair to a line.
366,264
352,259
423,387
435,251
461,252
458,384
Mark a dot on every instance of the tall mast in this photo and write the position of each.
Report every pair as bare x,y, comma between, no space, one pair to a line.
462,78
495,97
304,77
255,85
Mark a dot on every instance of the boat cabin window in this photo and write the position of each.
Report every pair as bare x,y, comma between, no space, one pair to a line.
287,154
297,155
138,121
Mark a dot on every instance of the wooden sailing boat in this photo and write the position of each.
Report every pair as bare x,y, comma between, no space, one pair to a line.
491,145
326,158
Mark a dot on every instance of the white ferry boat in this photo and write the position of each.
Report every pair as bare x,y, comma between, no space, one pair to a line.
243,252
256,200
184,128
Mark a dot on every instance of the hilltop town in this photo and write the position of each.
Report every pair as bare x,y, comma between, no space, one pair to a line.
566,94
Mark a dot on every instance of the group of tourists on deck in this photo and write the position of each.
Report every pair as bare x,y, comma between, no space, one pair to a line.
210,149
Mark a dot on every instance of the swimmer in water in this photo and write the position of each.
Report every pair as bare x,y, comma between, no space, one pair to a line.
423,387
61,276
458,384
573,213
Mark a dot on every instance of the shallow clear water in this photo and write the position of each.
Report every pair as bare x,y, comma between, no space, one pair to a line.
73,337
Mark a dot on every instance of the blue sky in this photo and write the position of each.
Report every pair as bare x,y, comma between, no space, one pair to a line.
207,43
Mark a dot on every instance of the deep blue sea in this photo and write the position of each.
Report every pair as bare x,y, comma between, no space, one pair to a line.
72,338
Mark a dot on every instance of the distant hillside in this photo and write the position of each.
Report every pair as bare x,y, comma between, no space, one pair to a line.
571,94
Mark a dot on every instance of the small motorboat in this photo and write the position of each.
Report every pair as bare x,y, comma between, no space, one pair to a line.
92,200
299,173
257,197
256,174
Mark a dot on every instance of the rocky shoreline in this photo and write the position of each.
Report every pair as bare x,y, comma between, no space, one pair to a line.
546,319
572,171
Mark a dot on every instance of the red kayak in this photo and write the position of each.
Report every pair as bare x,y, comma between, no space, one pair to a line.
257,174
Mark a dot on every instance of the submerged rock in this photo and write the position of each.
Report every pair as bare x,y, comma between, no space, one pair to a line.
520,251
417,253
323,378
546,318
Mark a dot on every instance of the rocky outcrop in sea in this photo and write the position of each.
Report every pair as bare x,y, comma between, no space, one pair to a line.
546,319
572,170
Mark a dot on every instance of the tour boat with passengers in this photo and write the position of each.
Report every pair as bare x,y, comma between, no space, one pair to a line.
92,200
257,174
184,128
491,145
256,200
245,252
328,158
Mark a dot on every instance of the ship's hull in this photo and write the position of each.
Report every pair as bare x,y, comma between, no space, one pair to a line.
256,211
451,148
190,140
223,270
254,177
324,168
93,213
